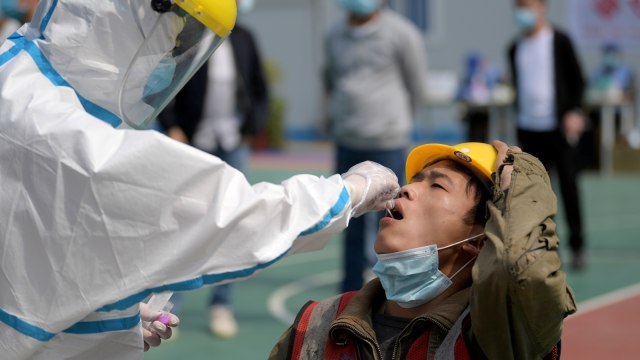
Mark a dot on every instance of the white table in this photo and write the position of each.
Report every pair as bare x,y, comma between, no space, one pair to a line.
608,105
499,106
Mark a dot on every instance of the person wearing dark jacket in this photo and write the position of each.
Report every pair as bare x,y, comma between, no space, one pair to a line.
219,111
185,114
549,86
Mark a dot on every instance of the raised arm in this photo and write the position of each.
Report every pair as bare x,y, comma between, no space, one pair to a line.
519,294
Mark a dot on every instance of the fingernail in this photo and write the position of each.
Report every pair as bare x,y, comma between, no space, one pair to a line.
159,326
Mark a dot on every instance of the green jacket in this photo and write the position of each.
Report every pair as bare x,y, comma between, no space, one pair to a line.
518,299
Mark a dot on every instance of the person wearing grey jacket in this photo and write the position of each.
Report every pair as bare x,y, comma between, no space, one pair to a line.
375,79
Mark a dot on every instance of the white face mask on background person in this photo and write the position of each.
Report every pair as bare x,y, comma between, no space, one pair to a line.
360,7
525,18
412,277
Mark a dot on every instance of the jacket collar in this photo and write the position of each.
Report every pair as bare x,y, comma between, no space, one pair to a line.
358,313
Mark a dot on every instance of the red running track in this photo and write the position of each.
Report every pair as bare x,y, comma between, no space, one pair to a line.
605,328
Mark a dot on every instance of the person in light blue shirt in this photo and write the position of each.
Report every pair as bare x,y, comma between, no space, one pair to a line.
479,80
613,74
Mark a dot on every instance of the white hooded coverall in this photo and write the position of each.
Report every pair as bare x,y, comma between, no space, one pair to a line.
96,217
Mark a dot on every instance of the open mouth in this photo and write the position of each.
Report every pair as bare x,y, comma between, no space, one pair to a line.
394,214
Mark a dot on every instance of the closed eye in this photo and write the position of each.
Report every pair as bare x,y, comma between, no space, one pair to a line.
436,185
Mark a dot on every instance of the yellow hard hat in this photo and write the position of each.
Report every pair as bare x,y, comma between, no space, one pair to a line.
217,15
480,158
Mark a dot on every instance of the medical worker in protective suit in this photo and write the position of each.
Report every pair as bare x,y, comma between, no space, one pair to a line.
96,215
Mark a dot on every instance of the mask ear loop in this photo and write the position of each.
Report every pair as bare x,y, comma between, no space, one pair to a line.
468,262
463,266
461,241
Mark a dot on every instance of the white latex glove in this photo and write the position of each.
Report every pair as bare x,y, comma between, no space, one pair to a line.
372,187
160,327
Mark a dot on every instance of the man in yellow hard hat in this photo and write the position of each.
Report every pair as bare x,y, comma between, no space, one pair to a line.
467,268
97,215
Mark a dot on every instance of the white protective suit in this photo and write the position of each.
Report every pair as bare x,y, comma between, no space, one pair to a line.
95,217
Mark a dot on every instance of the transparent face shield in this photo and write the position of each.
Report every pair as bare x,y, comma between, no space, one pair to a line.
176,45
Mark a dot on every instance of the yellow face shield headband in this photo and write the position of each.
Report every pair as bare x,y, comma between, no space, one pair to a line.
217,15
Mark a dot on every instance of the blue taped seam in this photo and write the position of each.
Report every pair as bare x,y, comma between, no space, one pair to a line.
10,54
200,281
334,211
47,18
102,326
83,327
93,327
24,327
55,78
188,285
50,73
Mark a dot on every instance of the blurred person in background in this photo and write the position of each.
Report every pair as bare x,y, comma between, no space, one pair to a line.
375,79
612,82
613,76
219,111
549,87
611,85
475,92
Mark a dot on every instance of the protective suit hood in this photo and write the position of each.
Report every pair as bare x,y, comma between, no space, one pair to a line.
107,51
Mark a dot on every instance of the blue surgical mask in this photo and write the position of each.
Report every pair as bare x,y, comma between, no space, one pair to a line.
12,9
161,77
360,7
525,18
411,277
245,6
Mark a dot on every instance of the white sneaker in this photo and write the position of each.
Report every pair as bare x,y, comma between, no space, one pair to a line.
221,322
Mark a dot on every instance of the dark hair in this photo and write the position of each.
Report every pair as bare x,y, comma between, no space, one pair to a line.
477,215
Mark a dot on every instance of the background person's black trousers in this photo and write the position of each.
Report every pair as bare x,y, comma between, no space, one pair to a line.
554,152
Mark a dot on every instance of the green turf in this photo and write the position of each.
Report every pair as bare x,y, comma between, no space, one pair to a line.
612,223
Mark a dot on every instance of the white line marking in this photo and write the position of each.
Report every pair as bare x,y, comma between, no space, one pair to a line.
607,299
278,299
